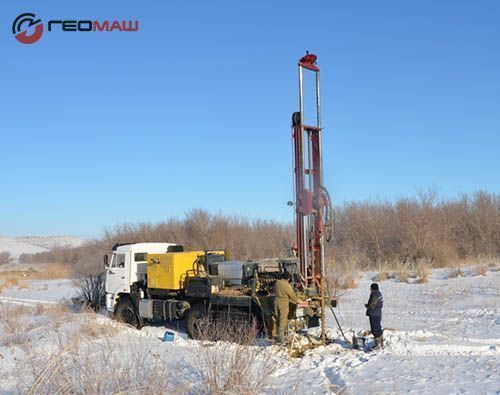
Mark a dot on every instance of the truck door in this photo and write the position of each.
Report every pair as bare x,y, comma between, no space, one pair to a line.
118,273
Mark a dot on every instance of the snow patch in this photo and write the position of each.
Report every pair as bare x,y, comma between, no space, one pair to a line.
35,244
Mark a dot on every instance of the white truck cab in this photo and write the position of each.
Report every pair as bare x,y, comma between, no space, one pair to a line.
127,265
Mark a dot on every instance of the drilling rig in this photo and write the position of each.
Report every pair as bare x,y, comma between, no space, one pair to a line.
313,208
147,282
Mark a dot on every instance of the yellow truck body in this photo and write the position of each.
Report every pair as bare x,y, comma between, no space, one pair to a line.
169,270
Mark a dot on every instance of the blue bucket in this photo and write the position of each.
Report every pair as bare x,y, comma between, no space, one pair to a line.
168,336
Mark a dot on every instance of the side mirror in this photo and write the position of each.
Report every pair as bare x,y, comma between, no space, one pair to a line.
106,263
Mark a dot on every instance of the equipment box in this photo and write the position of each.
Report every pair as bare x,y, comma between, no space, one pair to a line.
168,271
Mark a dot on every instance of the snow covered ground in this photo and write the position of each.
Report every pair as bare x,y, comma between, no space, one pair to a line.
34,292
440,337
34,244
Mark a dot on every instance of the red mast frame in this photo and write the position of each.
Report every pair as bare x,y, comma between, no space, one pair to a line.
310,199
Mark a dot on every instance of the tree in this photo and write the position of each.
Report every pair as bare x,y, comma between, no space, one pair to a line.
6,258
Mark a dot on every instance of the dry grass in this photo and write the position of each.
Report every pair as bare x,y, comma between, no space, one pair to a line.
232,365
491,262
24,285
479,270
53,271
64,352
422,270
38,310
343,276
11,282
384,272
401,271
104,368
85,358
12,278
7,281
455,272
12,326
96,329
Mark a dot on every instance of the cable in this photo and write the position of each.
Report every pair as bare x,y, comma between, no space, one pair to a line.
337,321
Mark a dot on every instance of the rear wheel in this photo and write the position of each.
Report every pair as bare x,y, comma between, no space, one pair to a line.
124,312
192,318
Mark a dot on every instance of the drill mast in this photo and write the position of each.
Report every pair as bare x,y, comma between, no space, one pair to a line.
312,203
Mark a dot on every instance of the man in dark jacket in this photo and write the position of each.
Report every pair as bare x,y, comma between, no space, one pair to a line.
374,311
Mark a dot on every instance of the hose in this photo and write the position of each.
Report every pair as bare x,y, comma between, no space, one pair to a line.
328,214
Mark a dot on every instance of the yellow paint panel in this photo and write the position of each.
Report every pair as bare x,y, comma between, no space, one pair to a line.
167,271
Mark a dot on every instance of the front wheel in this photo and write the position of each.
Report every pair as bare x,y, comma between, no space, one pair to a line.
124,312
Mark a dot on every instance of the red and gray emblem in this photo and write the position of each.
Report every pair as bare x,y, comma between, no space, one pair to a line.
21,26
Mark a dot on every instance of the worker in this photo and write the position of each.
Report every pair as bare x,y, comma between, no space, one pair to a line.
374,312
283,295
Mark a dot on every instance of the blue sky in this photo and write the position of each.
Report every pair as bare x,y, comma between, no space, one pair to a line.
193,110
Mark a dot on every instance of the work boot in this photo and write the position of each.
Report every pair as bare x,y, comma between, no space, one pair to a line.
379,343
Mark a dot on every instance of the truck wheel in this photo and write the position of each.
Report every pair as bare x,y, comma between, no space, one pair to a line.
124,312
193,315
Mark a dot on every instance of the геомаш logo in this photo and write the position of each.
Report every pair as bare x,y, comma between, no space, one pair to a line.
22,23
25,21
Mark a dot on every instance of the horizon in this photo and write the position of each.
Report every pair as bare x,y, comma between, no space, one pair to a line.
193,110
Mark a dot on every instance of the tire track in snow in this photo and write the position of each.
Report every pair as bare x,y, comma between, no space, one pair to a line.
408,343
26,302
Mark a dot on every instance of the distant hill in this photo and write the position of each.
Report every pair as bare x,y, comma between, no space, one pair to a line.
33,244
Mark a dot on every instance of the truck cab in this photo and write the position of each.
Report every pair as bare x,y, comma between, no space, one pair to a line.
126,265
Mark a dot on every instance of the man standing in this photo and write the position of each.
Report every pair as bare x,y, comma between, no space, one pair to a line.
374,311
283,295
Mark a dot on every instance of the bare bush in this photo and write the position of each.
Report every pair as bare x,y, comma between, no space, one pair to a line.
92,291
90,280
88,265
199,229
232,365
67,256
232,329
409,229
6,258
445,231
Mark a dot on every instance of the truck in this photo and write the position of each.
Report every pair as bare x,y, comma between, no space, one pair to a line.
151,282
